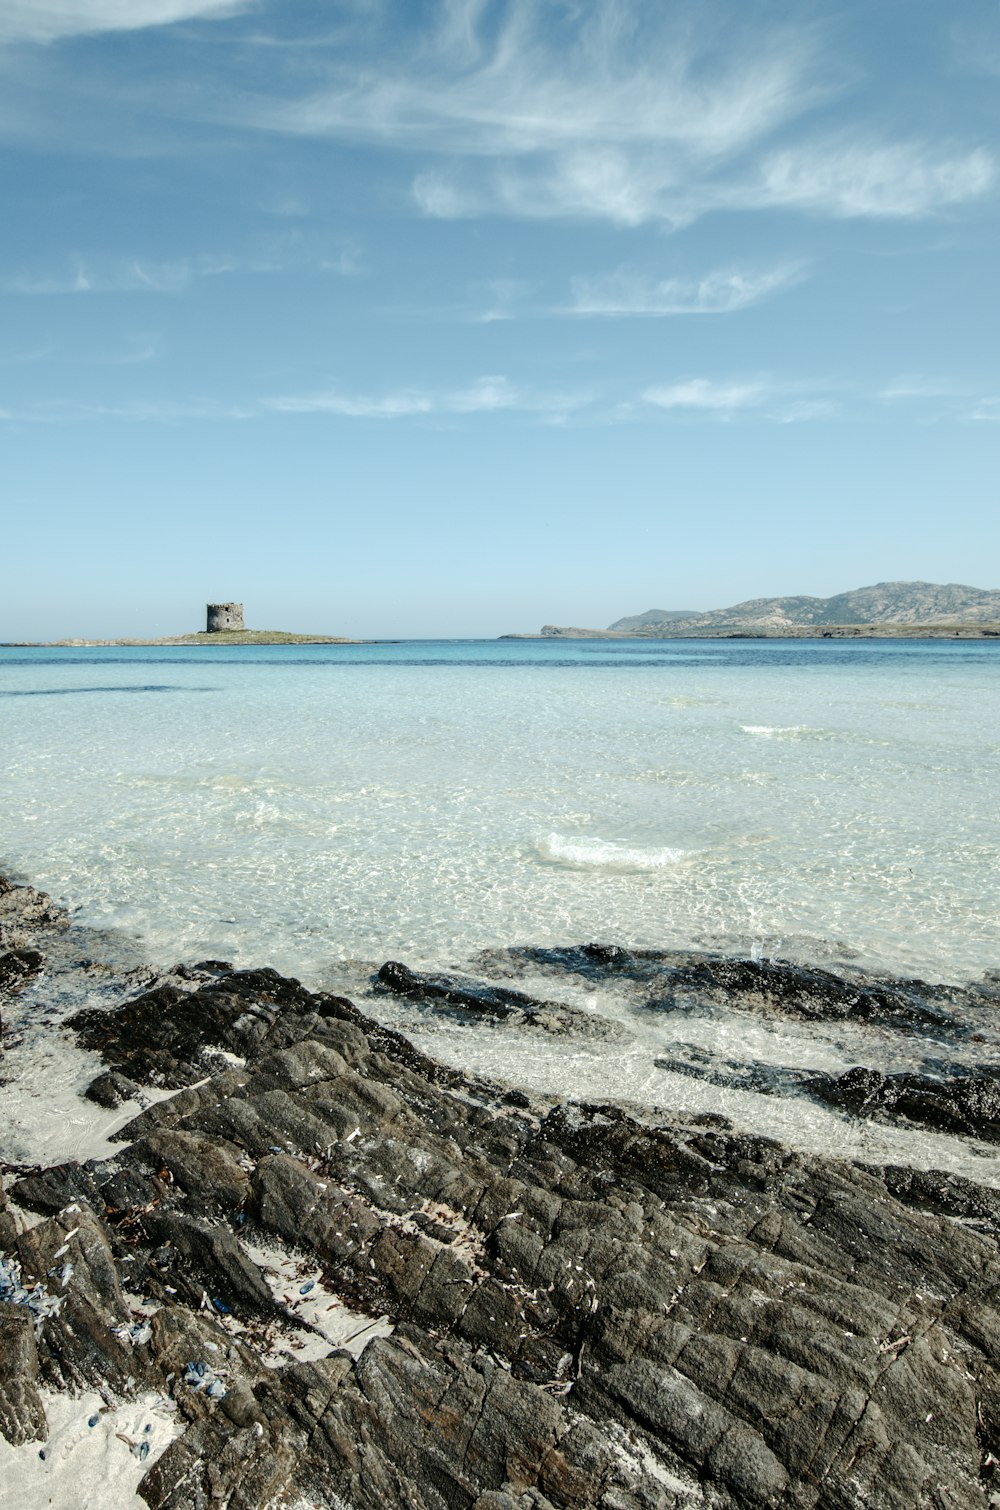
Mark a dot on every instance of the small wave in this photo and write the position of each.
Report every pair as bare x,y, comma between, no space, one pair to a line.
789,731
583,853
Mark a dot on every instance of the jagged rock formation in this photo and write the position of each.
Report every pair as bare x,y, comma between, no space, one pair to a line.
572,1308
885,603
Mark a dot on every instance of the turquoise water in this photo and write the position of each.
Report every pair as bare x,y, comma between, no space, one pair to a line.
311,807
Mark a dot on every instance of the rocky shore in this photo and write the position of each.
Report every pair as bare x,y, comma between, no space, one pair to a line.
324,1270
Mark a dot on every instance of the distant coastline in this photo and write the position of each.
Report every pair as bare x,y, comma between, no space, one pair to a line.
787,632
886,610
215,638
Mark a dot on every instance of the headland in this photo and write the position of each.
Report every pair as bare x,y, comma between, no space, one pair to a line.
886,610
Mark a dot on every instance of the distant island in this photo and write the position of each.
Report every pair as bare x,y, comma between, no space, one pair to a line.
886,610
224,626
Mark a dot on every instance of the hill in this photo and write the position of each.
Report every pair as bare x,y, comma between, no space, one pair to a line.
885,603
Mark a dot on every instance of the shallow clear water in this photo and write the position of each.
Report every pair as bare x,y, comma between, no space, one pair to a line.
307,805
325,808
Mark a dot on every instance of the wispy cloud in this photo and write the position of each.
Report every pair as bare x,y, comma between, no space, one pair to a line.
611,110
629,292
174,275
133,275
938,397
48,20
898,180
622,112
487,395
709,394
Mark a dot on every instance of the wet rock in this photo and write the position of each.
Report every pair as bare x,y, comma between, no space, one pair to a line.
25,912
164,1033
111,1089
805,993
478,1002
966,1105
17,968
683,980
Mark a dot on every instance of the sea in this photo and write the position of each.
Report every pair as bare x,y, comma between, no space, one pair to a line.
323,809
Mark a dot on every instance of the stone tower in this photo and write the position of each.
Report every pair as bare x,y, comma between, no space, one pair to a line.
224,616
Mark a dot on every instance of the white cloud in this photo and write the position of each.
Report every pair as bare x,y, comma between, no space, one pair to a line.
627,292
48,20
607,110
621,112
707,394
487,395
133,275
903,179
508,81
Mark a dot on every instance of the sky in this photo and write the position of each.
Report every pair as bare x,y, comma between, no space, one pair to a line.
457,318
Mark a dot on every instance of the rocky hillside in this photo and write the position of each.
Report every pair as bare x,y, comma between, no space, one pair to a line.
655,616
885,603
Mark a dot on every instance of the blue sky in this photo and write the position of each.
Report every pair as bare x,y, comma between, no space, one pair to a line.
456,318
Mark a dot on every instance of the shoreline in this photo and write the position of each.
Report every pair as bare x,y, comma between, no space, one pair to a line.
790,632
321,1267
214,639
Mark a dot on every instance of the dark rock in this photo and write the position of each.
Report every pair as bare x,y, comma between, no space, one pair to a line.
798,991
966,1105
17,967
22,1414
25,912
164,1033
111,1089
676,979
591,1312
52,1190
192,1254
478,1002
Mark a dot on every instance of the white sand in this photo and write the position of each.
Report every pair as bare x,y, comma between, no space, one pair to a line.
87,1467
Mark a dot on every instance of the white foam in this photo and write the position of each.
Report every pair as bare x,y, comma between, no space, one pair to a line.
788,731
583,853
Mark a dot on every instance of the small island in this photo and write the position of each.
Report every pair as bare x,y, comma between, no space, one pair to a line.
224,626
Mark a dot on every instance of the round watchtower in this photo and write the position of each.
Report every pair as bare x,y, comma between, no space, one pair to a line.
224,616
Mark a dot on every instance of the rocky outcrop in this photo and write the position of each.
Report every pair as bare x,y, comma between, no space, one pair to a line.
363,1278
23,911
571,1307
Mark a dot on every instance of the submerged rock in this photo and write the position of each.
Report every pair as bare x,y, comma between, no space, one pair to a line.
968,1105
673,979
478,1001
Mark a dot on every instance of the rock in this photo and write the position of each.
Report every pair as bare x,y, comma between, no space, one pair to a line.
966,1105
164,1033
589,1311
22,1414
476,1001
25,912
111,1089
18,967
